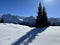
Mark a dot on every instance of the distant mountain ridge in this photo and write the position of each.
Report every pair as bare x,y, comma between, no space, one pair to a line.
8,18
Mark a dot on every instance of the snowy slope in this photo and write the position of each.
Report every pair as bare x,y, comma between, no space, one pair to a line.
14,34
10,32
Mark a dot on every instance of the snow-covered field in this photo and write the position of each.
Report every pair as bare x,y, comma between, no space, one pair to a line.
14,34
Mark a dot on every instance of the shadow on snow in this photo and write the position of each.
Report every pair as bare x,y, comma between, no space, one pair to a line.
29,36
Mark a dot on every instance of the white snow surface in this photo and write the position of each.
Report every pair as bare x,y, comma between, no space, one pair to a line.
14,34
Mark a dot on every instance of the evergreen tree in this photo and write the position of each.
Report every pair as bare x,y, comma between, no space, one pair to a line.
46,22
45,19
1,21
39,17
42,20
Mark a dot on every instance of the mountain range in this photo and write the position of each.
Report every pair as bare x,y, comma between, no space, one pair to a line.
8,18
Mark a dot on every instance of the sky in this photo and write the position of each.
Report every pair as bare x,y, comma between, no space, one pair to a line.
29,7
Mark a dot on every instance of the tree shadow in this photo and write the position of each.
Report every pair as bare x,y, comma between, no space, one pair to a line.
29,36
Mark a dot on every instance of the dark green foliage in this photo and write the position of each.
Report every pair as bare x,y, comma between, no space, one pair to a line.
42,20
53,24
1,21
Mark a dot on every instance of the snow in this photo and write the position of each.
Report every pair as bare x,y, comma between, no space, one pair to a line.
54,21
15,34
8,18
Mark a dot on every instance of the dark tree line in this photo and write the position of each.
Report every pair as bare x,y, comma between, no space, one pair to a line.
42,20
1,20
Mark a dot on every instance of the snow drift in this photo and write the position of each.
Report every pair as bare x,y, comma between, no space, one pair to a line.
14,34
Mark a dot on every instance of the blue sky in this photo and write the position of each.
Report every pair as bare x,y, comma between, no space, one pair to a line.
29,7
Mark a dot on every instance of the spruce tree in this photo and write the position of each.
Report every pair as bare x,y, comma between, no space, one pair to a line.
1,21
42,20
45,18
39,17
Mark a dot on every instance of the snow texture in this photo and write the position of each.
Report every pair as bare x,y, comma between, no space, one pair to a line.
14,34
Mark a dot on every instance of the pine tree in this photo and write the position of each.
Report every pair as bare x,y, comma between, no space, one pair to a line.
42,20
45,18
1,21
39,17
